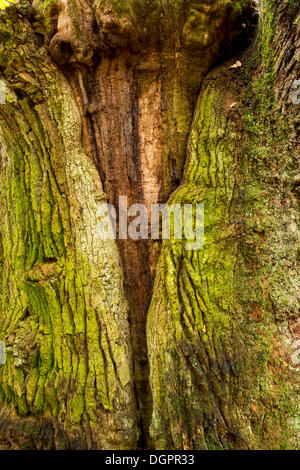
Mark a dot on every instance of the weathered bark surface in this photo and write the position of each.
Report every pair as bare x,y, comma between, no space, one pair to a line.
222,373
100,97
135,71
68,381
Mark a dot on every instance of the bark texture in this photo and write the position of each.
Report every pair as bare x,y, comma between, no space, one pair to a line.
102,100
222,374
68,381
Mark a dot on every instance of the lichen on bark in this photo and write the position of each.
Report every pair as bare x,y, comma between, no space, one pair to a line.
101,100
64,316
222,375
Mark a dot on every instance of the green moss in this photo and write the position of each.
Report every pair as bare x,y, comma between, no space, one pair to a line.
4,4
63,284
224,301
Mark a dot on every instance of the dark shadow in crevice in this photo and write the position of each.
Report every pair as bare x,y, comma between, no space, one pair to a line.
241,39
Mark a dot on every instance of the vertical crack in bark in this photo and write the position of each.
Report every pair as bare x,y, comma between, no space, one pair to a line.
136,87
135,70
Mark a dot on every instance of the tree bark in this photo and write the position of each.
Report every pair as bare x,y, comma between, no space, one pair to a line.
222,374
143,344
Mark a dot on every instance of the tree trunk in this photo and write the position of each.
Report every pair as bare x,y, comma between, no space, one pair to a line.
143,344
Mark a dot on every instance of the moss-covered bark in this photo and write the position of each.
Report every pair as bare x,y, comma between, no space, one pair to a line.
219,337
68,380
99,99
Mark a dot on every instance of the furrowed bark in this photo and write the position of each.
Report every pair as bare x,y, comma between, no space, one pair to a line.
101,101
68,380
223,321
135,70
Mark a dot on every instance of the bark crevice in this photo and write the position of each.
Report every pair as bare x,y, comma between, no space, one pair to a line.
137,104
